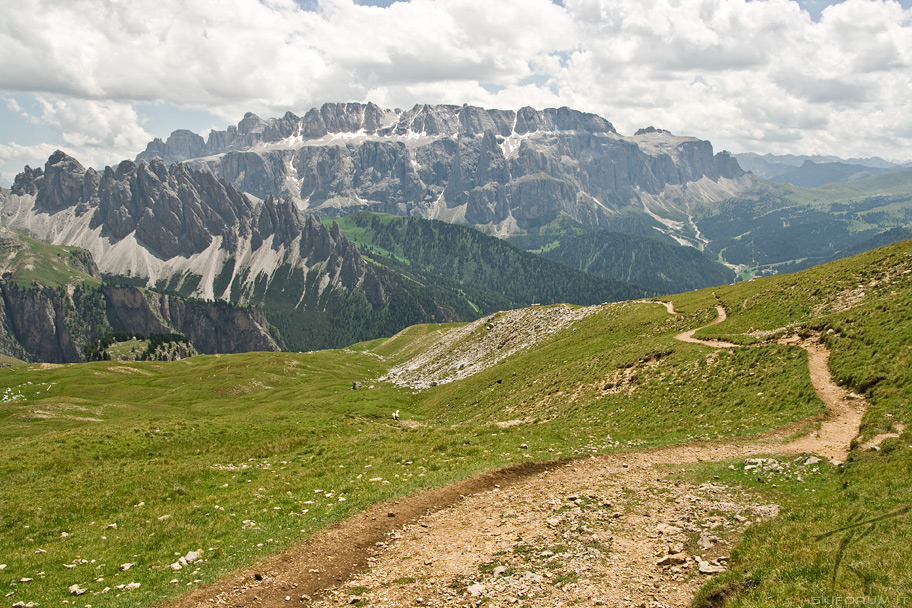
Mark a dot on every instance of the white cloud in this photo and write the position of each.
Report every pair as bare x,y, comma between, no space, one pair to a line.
13,157
758,74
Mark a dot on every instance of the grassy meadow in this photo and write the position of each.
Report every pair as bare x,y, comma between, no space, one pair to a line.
113,463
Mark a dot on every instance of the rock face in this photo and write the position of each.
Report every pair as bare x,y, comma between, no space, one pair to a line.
51,325
37,320
176,227
212,327
502,169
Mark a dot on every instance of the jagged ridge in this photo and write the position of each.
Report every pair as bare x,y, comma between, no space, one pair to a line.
504,170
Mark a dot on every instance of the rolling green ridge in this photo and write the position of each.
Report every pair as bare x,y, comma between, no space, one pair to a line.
475,261
243,455
662,267
29,261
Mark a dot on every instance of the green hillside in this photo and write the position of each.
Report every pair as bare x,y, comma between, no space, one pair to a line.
244,455
29,261
479,262
661,267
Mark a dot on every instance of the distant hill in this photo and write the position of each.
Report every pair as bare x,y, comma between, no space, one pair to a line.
812,175
771,166
662,267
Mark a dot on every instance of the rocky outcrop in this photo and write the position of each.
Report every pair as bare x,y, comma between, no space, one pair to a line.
182,144
217,327
184,232
174,211
38,320
127,309
212,327
50,325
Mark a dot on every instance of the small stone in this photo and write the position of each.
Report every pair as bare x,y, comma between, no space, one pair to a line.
475,590
391,514
112,526
164,517
287,598
75,590
673,559
176,566
666,529
2,566
706,541
19,605
707,568
192,556
132,585
499,570
25,580
812,460
125,567
528,575
354,600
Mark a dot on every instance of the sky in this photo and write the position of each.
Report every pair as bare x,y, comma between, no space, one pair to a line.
101,78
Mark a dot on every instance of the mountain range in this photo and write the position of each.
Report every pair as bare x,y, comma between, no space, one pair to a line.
590,215
815,171
502,171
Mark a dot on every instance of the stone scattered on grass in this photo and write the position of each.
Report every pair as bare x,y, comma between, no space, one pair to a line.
75,589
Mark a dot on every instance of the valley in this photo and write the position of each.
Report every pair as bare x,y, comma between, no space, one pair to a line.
256,453
456,304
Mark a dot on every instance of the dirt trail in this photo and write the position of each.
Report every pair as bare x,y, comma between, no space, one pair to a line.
591,532
688,336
